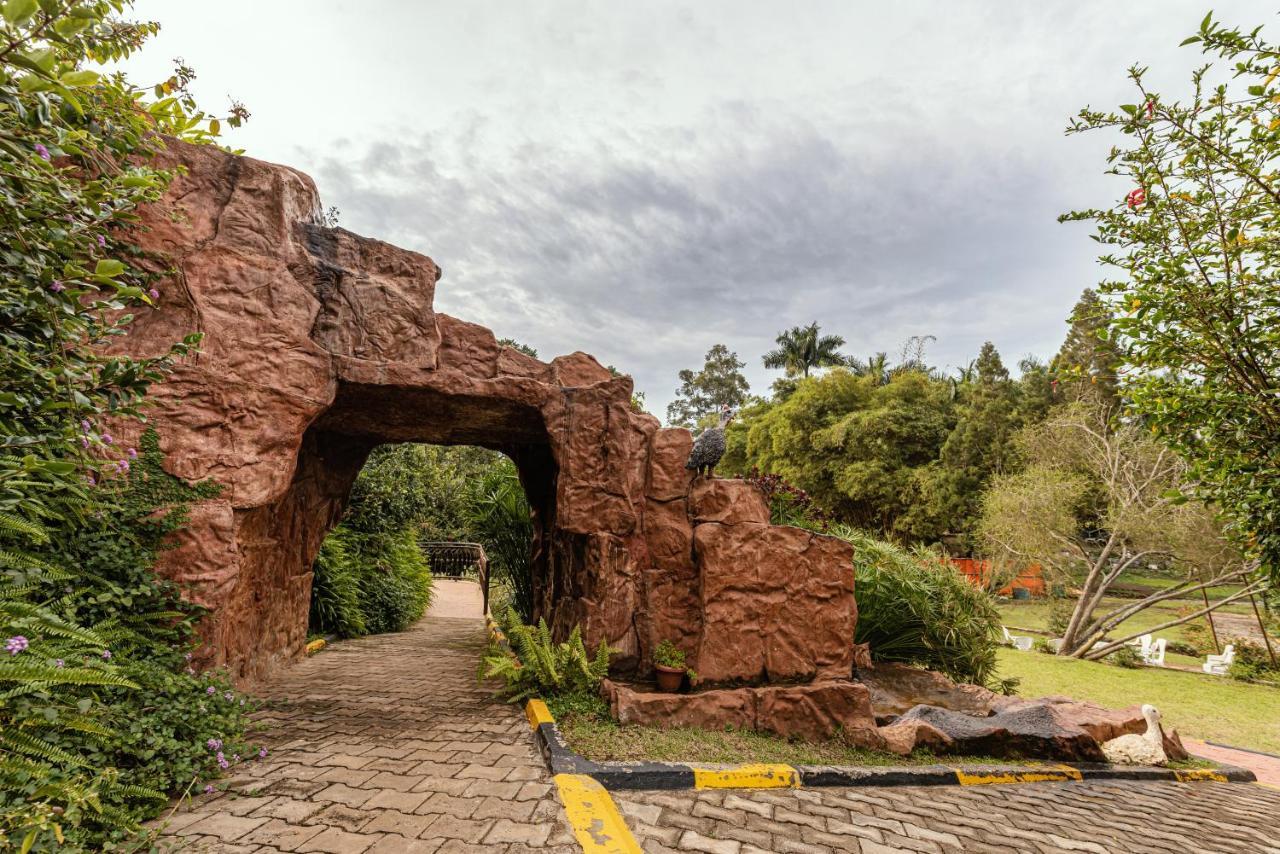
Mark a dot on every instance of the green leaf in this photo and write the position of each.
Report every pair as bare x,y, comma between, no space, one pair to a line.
18,12
108,267
1131,109
79,78
1187,41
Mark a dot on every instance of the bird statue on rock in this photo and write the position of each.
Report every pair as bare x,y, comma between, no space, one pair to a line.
708,448
1134,749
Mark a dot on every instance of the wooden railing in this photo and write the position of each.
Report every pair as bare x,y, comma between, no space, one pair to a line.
459,560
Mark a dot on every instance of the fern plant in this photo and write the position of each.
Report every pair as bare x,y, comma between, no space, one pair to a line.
537,666
43,784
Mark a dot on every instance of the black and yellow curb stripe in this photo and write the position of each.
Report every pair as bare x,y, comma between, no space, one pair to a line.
594,817
561,759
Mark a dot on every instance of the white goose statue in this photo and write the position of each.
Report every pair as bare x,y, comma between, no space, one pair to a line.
1133,749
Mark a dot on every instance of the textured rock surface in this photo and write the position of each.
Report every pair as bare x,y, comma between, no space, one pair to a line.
320,344
920,708
813,710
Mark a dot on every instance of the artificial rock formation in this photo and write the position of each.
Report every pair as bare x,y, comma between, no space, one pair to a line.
320,344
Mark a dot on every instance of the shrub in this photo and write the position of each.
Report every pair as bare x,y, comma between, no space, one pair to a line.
395,582
1182,648
1252,663
1043,645
1126,656
916,609
369,583
501,519
335,589
536,666
124,721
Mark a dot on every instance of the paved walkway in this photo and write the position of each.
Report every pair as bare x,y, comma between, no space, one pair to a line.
1264,766
388,744
1099,817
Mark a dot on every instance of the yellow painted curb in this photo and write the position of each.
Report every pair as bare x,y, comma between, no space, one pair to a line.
1196,775
316,645
594,817
538,713
756,776
1052,774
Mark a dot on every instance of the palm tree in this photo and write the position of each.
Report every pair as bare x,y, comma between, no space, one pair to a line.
802,349
877,366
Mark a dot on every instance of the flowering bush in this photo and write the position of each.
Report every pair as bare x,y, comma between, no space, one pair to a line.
128,701
1193,265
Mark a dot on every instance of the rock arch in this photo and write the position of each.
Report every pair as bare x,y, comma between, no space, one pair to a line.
319,344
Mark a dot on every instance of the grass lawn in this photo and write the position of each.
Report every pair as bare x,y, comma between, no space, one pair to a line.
600,738
1206,707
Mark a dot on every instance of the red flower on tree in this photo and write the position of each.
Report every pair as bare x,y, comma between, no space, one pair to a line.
1135,198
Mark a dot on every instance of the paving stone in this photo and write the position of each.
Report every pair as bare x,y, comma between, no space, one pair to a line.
372,750
222,826
693,841
505,830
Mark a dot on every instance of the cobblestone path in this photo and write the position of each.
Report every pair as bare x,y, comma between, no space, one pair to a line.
387,744
1099,817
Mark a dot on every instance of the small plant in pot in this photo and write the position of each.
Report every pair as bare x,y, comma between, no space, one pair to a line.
668,662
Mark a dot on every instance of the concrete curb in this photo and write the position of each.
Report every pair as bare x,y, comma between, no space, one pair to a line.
561,759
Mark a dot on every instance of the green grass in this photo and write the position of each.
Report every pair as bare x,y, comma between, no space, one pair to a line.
604,740
1034,615
1212,708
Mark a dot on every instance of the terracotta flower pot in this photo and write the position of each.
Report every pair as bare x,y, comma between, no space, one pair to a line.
669,678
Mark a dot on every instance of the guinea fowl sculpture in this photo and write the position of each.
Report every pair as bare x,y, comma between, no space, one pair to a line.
708,448
1133,749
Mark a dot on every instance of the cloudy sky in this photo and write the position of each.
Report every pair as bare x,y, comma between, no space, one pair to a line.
644,180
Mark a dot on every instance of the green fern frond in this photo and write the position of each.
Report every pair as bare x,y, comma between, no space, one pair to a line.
36,533
47,674
20,742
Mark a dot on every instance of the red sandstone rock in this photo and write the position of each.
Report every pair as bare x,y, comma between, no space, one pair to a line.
320,344
777,604
816,710
729,502
896,688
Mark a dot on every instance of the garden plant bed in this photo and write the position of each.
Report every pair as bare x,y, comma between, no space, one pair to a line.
745,760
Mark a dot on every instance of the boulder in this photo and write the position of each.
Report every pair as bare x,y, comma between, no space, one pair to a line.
1033,731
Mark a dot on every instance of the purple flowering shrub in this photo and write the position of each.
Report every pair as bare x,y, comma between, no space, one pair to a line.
166,728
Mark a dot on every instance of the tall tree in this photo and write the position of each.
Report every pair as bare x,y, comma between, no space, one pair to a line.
702,393
979,446
802,349
1098,499
1193,245
1089,361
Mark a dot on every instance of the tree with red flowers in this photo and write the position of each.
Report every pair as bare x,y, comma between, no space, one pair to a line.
1195,249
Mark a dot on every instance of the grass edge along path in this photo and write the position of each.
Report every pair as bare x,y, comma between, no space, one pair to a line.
1209,708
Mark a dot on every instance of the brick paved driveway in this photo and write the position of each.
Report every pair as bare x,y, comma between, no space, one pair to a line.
388,744
1099,817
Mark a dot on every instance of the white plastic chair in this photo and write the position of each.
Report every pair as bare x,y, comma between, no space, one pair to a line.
1219,664
1154,653
1017,641
1143,644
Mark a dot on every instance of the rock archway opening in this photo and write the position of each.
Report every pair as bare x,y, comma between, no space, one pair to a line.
365,424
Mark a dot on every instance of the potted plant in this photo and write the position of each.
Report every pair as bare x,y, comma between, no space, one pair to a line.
668,661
